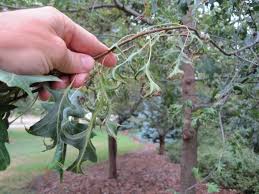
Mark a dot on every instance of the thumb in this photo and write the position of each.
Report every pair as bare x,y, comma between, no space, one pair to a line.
74,63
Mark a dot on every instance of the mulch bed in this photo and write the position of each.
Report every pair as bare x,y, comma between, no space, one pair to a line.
144,172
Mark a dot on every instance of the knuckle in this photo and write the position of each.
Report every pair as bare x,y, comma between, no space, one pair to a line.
93,37
59,43
51,9
59,48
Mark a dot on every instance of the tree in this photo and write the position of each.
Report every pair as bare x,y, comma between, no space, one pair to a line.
159,119
126,97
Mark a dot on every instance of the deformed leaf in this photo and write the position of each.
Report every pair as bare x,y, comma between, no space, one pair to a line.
48,126
61,124
4,155
24,81
59,159
78,135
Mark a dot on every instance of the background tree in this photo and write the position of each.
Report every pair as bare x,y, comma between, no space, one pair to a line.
125,103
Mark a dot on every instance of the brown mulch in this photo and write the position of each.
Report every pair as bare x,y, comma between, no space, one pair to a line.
143,172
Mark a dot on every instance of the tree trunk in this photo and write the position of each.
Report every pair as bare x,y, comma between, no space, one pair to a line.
161,145
189,148
112,157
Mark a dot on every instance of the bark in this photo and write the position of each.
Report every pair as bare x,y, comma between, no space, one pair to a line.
189,148
112,157
161,145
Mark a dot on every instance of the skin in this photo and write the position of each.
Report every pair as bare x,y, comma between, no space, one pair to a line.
37,41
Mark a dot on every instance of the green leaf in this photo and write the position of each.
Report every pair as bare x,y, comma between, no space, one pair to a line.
212,188
4,155
48,126
61,124
183,5
6,108
77,134
188,103
196,174
59,159
111,128
88,154
24,81
256,8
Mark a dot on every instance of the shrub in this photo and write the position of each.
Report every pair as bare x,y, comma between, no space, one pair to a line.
235,166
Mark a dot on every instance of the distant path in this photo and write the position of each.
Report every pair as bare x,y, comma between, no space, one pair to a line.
24,121
141,172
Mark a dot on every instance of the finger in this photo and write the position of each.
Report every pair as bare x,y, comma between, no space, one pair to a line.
65,81
73,63
80,40
78,80
44,94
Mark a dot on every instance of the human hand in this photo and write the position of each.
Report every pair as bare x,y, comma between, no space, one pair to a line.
37,41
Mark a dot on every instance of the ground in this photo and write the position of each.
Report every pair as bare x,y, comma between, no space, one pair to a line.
28,160
140,172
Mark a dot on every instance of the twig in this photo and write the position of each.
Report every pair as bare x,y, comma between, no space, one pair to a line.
24,95
131,11
221,128
101,6
198,183
253,19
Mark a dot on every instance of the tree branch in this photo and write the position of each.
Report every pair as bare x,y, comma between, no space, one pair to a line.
131,11
101,6
221,127
180,27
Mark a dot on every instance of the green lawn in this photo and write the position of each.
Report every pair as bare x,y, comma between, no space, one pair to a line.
28,160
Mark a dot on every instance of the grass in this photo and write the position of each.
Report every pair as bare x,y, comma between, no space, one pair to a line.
29,161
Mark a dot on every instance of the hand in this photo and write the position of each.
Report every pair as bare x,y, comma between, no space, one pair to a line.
37,41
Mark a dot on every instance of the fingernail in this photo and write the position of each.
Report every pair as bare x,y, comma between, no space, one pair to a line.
87,63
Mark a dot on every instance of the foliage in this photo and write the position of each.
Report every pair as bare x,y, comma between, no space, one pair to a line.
234,165
238,167
12,87
212,188
57,126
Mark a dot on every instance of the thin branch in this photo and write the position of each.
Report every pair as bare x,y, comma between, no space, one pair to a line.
199,106
253,19
131,11
101,6
170,28
138,35
221,128
24,95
